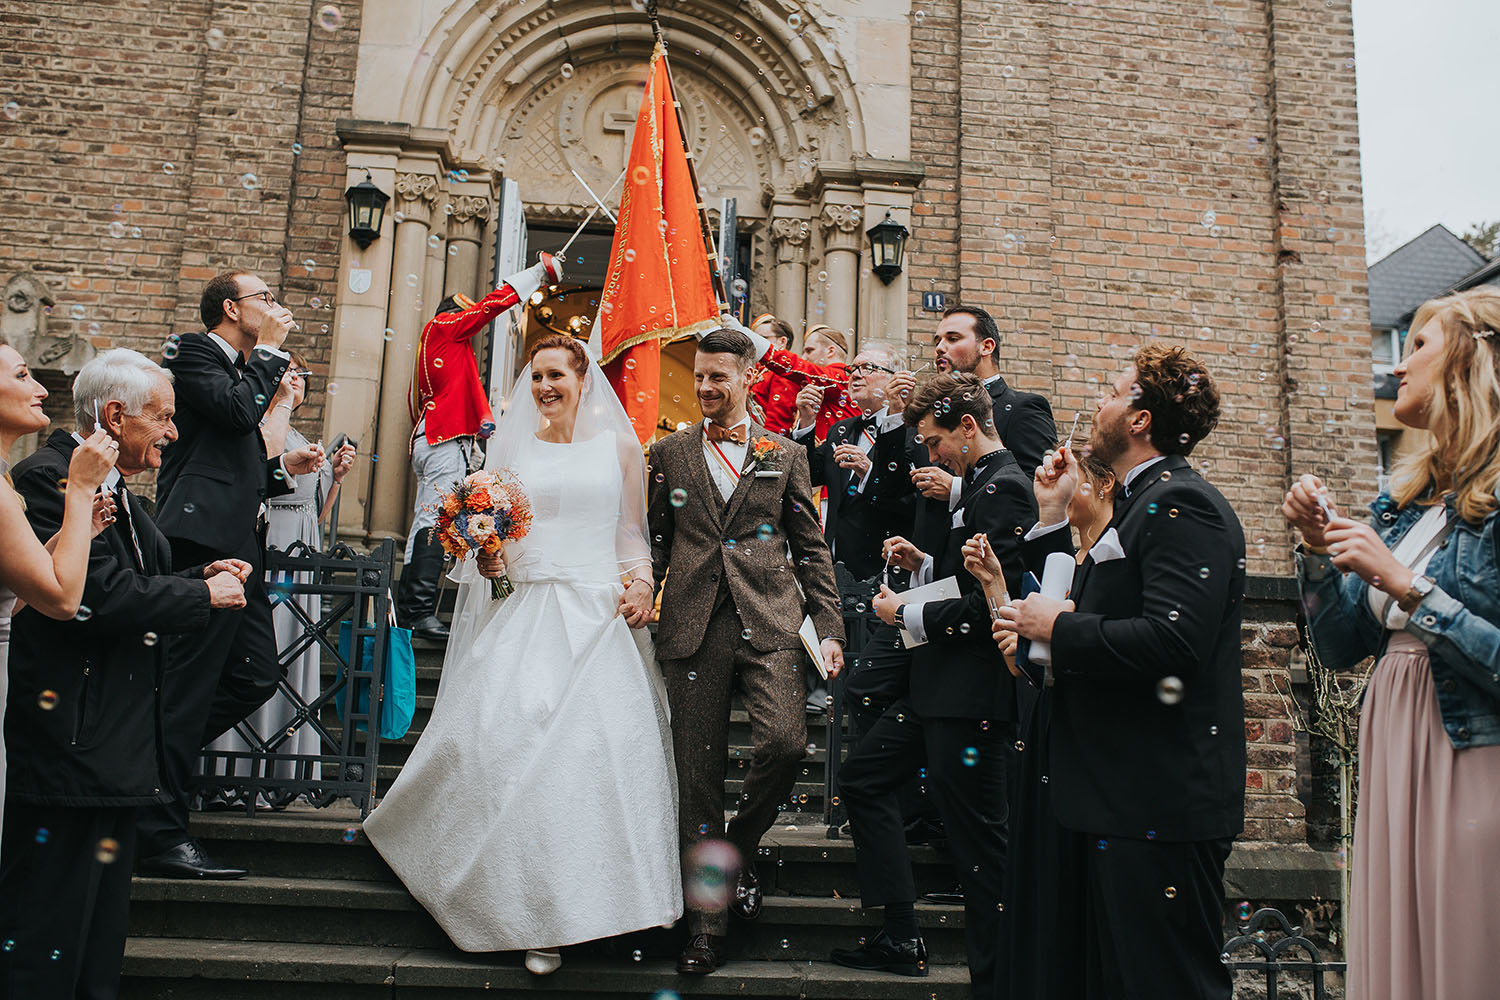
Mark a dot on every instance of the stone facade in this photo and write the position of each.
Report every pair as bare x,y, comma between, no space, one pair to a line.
1095,173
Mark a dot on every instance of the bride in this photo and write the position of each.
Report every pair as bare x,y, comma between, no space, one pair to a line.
539,807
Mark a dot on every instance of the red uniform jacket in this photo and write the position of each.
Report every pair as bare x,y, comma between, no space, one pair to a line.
799,372
445,386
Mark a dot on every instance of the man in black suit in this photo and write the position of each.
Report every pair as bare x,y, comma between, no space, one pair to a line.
1147,750
868,499
961,711
82,724
965,341
211,493
862,466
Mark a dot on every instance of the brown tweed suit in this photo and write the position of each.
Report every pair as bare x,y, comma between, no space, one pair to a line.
730,611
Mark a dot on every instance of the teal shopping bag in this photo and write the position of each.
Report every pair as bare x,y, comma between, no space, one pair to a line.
400,679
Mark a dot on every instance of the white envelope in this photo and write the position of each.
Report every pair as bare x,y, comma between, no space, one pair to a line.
945,589
1107,548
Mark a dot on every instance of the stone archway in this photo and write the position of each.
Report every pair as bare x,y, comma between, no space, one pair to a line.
775,115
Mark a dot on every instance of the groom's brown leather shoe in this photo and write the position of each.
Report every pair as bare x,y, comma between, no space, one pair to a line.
704,954
747,898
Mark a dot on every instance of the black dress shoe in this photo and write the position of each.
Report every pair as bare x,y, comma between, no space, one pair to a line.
703,954
429,628
881,954
747,898
923,830
946,897
186,860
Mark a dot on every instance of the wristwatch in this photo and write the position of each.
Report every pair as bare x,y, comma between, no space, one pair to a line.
900,621
1420,587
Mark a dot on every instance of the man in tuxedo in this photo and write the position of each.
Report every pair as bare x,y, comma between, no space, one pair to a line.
83,736
965,341
732,517
960,714
1147,748
215,478
862,466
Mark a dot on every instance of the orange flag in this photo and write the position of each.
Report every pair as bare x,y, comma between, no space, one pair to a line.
658,286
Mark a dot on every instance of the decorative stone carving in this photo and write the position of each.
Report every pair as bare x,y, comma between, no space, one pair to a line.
840,225
790,236
24,326
416,196
468,207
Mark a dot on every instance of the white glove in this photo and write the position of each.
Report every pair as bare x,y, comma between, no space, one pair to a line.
728,322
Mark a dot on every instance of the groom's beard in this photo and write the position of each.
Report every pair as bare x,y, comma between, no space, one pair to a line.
720,409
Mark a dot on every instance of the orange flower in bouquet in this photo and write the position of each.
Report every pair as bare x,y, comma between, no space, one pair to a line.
481,513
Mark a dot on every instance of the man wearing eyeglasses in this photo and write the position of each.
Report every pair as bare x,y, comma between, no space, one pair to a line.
211,493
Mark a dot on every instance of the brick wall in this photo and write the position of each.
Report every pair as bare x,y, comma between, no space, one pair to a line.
1105,173
155,144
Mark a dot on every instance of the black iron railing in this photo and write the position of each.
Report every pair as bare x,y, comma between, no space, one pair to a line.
1270,936
346,587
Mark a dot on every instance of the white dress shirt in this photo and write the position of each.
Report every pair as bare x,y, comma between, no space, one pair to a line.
233,355
734,453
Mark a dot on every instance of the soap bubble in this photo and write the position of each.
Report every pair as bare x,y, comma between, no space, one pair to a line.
47,700
215,38
329,17
249,181
970,756
117,229
169,168
757,136
712,866
566,71
1169,690
107,850
679,497
84,613
434,241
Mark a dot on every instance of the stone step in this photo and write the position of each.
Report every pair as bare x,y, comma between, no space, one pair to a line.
302,842
185,969
383,914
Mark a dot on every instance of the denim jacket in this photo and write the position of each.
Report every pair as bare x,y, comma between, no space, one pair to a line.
1459,621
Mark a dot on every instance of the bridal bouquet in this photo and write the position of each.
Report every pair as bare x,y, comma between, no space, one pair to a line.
481,513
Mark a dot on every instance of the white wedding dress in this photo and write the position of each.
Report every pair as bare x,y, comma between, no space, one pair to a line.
538,809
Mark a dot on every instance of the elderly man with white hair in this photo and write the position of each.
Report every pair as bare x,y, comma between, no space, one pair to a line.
82,730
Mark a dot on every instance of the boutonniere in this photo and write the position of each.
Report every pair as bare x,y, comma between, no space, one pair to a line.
763,453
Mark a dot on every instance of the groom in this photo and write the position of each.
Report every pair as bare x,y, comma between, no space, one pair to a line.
733,519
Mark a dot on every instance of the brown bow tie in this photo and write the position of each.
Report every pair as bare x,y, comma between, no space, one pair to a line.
734,435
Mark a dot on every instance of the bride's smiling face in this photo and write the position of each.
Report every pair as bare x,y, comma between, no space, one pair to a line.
555,385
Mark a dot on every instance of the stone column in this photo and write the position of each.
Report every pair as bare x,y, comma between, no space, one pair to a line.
471,213
435,281
416,198
789,239
841,225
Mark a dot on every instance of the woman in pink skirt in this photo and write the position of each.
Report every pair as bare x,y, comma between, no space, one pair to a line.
1419,588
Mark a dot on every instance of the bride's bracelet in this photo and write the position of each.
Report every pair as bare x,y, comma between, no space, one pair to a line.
636,580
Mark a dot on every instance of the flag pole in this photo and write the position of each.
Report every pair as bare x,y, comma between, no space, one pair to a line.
720,293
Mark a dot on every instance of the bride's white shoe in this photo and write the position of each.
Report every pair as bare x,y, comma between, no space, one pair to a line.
543,963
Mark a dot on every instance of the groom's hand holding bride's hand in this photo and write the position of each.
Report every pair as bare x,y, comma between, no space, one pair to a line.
636,604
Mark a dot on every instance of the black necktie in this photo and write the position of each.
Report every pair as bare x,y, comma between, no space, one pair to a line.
239,363
122,504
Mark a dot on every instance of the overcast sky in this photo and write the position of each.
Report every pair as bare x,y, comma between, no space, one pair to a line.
1429,115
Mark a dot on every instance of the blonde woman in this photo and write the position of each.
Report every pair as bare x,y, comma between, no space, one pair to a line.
47,577
1418,586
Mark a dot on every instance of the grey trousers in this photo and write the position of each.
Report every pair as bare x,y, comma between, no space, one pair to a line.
699,688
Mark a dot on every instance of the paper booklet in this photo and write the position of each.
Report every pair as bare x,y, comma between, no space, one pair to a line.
808,633
945,589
